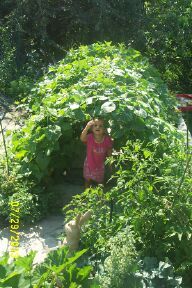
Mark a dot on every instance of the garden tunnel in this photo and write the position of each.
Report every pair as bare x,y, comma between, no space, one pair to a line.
114,82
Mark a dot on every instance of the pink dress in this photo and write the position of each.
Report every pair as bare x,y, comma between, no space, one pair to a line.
94,165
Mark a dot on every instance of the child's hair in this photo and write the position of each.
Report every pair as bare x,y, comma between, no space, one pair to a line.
100,119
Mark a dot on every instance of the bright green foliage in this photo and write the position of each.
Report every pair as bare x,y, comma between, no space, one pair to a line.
154,274
58,270
158,205
151,195
121,265
100,79
122,268
148,191
13,189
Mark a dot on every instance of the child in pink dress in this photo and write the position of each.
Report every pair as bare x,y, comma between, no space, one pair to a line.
99,146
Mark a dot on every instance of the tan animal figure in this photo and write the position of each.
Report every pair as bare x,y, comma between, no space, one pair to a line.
73,230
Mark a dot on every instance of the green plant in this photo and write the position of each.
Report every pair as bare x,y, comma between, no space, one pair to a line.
20,88
151,195
7,58
17,273
58,270
30,197
156,202
120,266
158,275
168,52
98,230
62,270
100,79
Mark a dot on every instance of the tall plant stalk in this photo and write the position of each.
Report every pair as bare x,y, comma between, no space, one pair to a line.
5,148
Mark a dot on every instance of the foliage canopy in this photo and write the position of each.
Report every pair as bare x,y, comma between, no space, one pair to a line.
97,80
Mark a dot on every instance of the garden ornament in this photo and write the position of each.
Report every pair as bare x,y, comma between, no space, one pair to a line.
73,229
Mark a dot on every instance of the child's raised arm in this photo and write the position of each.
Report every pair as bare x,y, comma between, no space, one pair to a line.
83,136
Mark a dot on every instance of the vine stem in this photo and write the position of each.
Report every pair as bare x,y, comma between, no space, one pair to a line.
111,210
5,148
188,157
183,177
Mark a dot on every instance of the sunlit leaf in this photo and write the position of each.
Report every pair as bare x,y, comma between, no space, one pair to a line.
108,107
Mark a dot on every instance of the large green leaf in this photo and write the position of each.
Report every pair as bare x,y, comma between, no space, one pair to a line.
42,161
12,280
108,107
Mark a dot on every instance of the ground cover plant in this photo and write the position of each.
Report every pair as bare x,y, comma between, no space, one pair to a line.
59,269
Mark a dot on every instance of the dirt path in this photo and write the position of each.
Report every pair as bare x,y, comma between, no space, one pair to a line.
10,122
44,234
39,237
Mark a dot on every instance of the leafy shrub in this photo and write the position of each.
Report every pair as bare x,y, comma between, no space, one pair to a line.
100,79
164,48
30,209
98,230
121,264
58,270
21,87
152,196
157,200
31,199
122,268
158,275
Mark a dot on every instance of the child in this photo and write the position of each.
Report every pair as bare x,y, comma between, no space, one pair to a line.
99,146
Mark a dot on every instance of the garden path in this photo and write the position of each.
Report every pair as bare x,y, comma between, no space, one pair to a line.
38,237
43,235
11,121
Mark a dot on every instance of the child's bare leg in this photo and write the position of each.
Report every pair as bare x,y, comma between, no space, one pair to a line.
87,183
